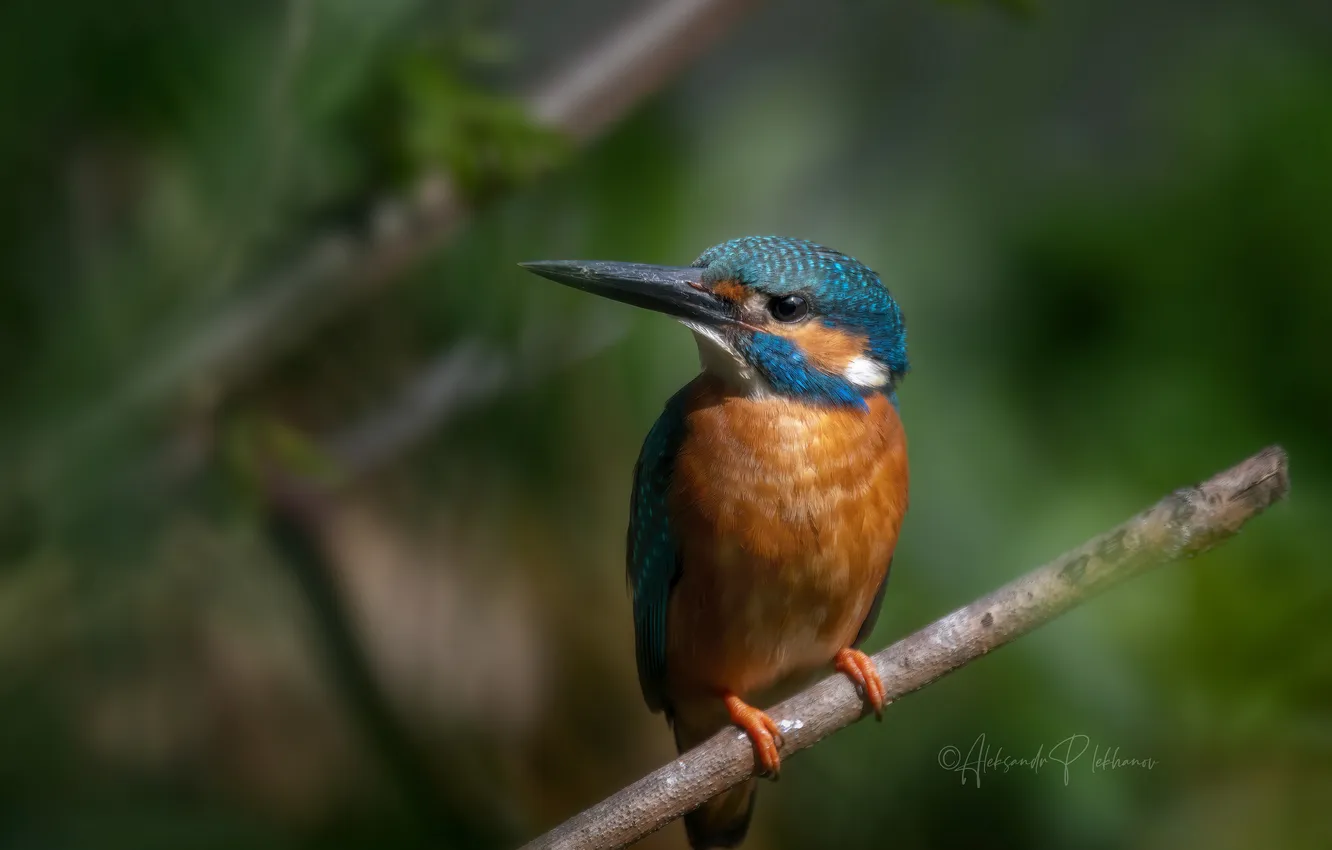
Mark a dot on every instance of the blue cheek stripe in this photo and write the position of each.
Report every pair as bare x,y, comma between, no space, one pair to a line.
784,365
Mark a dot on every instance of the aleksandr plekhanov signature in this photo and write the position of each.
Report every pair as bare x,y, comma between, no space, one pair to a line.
981,758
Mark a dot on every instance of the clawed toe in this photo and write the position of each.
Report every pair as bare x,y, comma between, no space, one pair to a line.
860,669
763,732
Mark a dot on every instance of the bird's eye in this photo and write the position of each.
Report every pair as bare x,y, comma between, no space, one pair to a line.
788,308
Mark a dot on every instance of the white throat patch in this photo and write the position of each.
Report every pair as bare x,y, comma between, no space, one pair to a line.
717,357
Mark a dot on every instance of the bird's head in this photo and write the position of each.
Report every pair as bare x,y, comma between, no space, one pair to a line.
772,315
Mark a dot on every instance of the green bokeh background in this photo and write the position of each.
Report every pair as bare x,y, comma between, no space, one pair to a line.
1110,227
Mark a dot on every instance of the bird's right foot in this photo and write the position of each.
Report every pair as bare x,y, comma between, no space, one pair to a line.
763,732
860,669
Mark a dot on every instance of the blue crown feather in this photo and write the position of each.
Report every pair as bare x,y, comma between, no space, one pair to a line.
844,292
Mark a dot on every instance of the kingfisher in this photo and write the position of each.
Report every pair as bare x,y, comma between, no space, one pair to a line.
768,496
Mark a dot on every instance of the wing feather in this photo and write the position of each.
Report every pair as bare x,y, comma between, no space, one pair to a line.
653,561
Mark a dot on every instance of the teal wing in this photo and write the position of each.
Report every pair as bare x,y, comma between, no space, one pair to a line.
653,561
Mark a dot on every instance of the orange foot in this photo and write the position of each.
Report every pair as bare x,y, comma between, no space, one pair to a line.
861,670
762,731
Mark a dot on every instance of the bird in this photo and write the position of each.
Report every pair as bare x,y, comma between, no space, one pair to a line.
769,494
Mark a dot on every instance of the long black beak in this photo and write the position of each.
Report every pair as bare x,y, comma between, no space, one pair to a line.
674,290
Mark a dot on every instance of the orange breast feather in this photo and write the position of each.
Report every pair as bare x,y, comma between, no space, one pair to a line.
787,514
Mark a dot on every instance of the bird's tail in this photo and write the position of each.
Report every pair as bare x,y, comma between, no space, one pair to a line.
723,820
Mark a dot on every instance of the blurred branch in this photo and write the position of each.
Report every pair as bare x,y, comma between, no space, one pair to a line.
630,64
467,374
294,525
1185,523
598,88
296,514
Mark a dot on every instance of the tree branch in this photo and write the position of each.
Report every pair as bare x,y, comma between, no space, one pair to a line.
1185,523
293,523
469,373
598,88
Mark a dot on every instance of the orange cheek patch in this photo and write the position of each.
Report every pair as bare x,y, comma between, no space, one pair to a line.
730,290
829,349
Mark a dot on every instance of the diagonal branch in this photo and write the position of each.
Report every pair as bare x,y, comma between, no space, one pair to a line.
599,87
469,373
1183,524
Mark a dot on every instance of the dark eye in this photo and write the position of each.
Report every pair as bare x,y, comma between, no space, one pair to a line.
788,308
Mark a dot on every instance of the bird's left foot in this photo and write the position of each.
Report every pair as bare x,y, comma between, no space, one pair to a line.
860,669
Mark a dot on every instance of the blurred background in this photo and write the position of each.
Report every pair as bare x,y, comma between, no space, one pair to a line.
312,504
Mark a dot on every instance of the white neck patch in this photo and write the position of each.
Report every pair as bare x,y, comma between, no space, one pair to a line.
717,357
864,372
